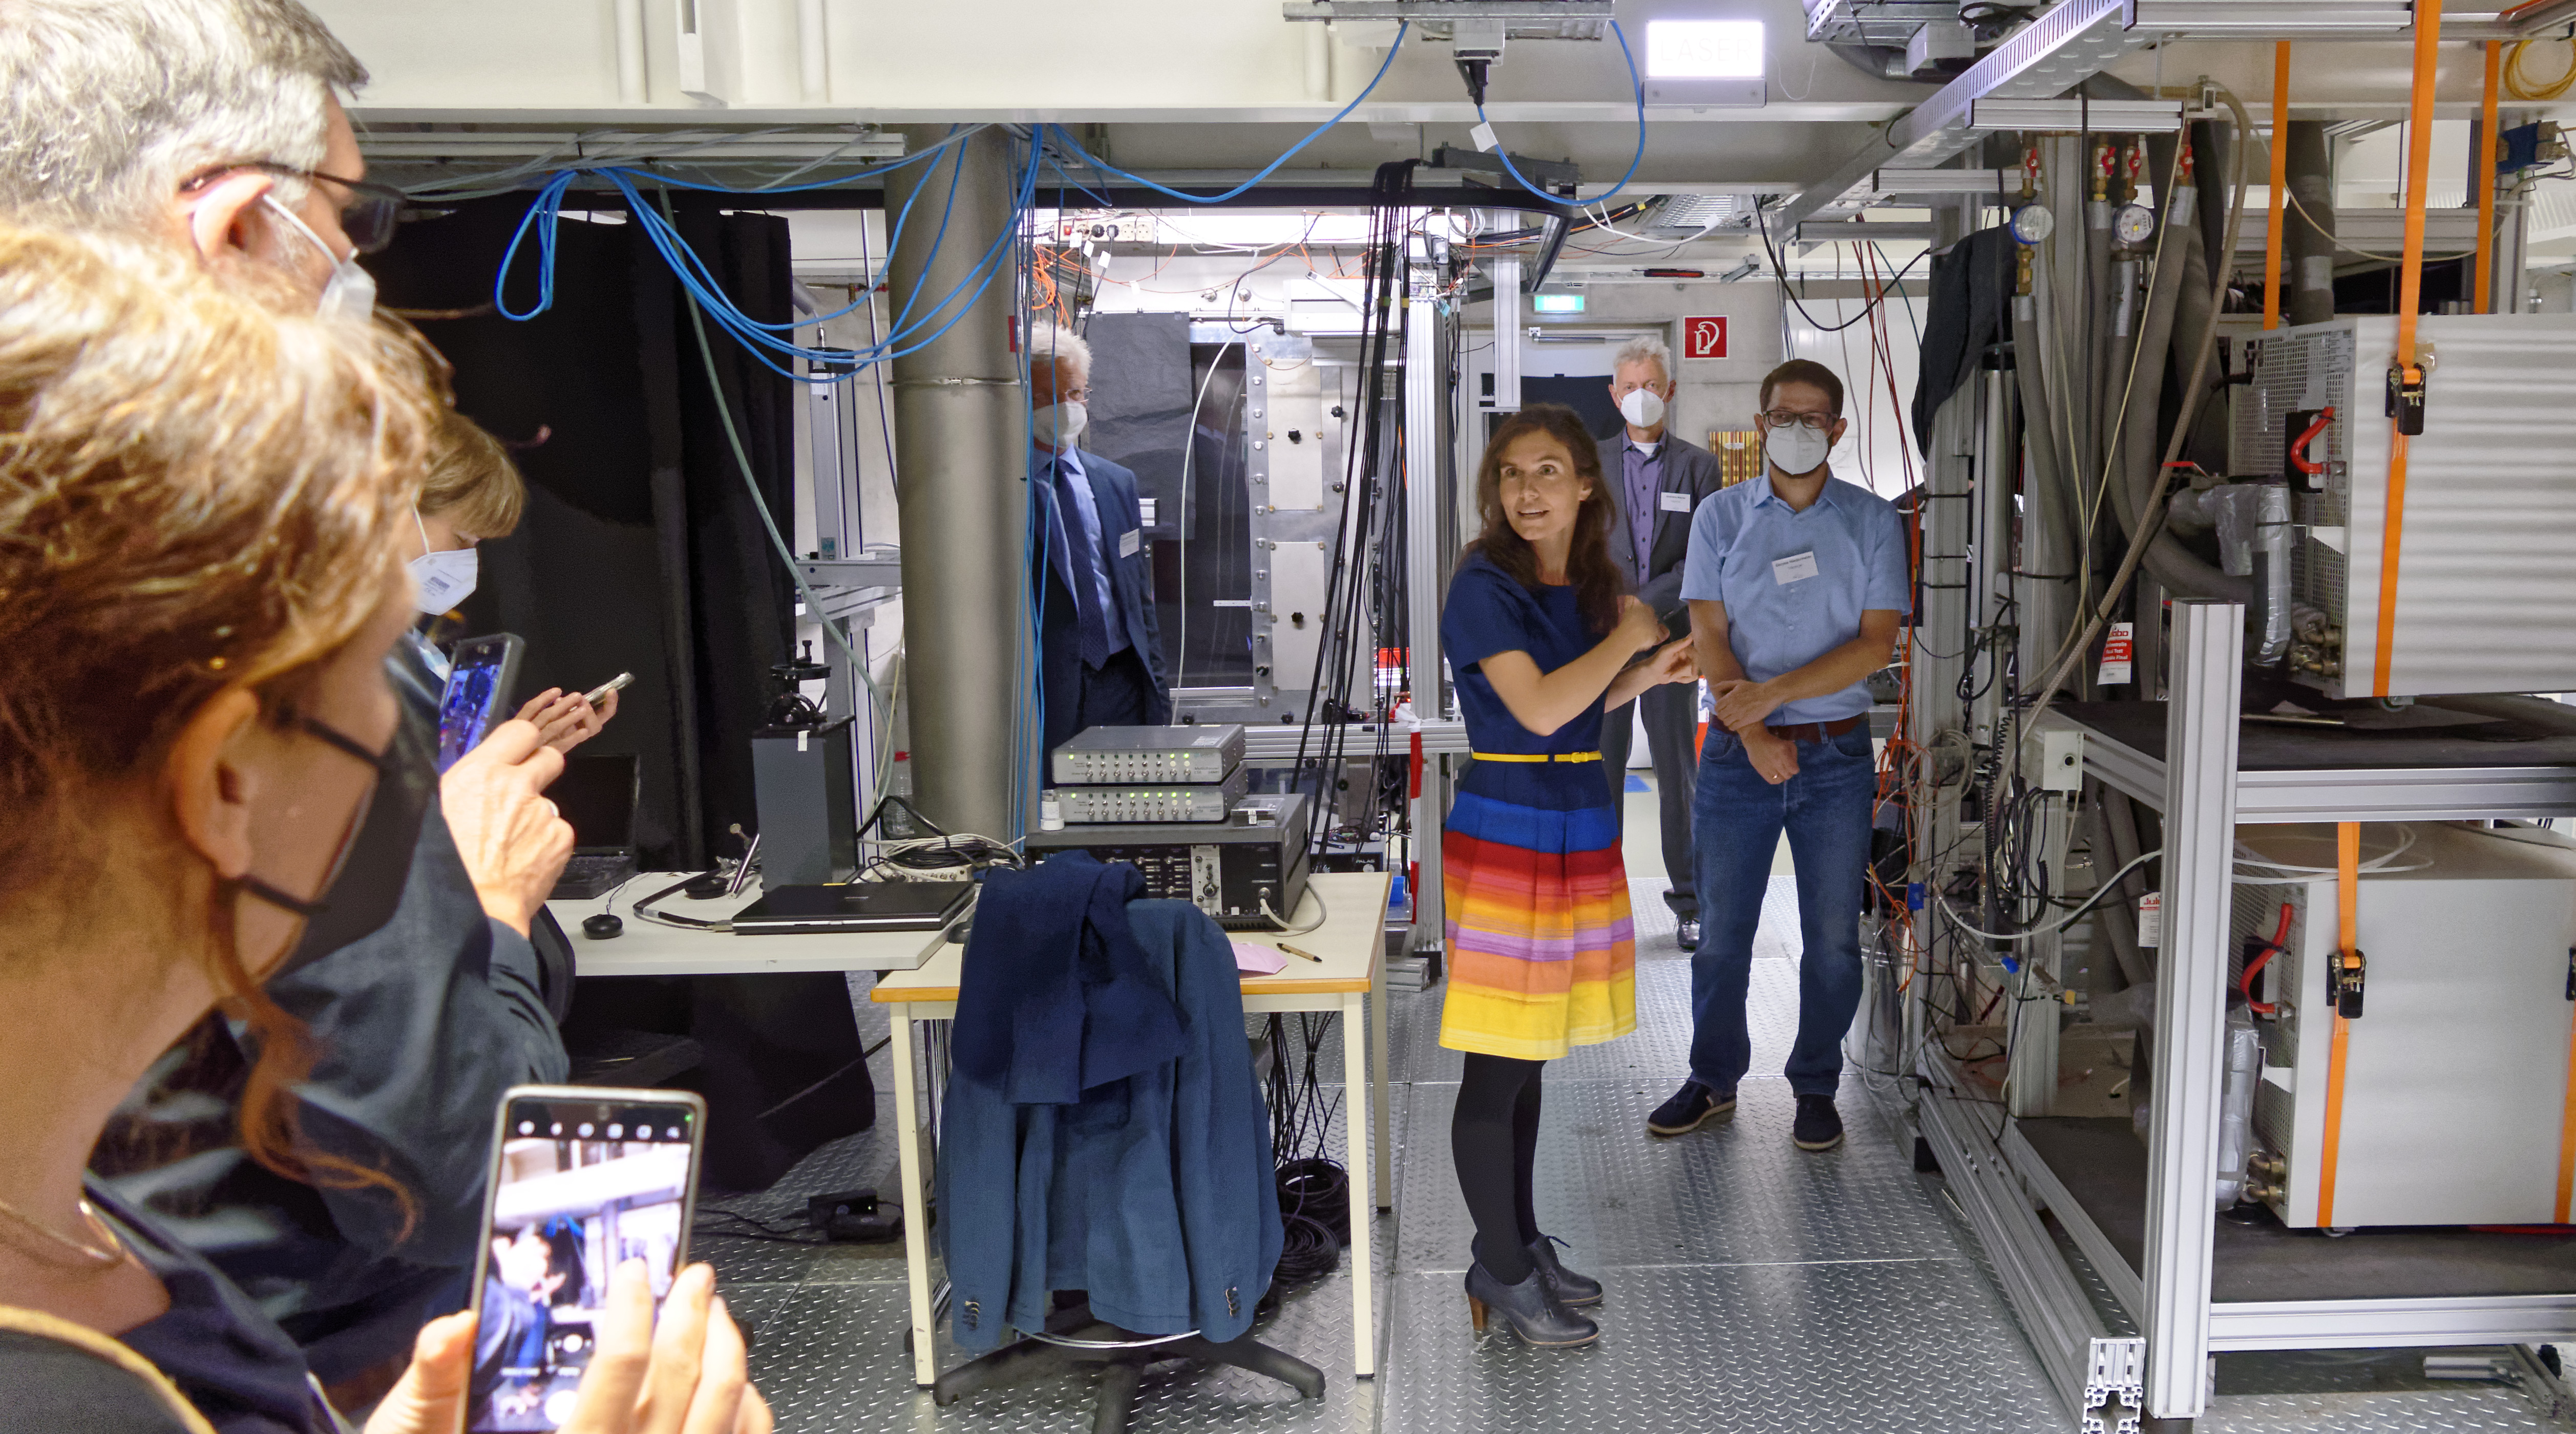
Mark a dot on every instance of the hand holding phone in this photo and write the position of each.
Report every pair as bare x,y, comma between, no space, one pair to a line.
695,1364
565,721
586,1222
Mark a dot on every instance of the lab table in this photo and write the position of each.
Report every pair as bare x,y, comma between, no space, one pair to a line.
1350,942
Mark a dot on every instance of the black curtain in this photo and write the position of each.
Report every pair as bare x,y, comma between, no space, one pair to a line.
1972,283
642,551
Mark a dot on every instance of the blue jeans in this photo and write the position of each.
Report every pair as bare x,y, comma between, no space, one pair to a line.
1736,822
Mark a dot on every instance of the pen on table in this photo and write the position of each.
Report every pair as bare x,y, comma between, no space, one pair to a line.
1293,951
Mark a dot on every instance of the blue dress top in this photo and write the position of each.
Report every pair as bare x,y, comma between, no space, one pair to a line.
1487,612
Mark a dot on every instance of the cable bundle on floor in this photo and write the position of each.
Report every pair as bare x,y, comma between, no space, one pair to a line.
1314,1191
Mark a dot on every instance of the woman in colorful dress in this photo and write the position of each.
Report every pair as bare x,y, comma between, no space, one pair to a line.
1542,955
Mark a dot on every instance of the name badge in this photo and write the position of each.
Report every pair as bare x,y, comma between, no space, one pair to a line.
1797,567
1134,538
1673,502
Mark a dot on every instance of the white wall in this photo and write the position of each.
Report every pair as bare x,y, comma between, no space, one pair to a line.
1878,450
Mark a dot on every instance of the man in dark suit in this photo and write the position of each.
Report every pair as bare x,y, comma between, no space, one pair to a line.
1657,481
1100,657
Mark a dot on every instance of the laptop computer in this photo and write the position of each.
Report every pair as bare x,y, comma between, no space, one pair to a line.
859,906
597,795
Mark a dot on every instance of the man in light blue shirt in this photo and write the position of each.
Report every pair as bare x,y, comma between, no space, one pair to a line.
1796,587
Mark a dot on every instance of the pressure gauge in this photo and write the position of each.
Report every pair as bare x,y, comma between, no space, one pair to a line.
2134,224
2033,223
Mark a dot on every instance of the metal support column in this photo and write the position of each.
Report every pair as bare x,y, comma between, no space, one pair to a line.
1936,652
2191,997
1426,566
961,427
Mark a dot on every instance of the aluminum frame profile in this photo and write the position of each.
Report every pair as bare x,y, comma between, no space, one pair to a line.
623,146
2392,1323
2051,1194
2074,115
1886,182
1276,742
2043,59
2191,1002
2060,1321
1426,578
2273,19
1522,19
1507,333
2346,794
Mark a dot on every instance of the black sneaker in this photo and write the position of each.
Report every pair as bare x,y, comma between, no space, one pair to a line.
1691,1107
1819,1126
1688,933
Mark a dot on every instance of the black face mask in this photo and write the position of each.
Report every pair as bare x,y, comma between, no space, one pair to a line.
376,865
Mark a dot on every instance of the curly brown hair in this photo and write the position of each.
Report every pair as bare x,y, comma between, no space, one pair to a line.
1595,575
200,491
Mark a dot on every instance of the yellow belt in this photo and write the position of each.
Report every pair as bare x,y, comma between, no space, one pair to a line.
1536,756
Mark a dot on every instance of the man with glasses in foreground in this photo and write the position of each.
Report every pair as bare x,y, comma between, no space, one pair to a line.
1796,586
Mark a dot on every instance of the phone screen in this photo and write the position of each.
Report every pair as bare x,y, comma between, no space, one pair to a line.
581,1181
477,686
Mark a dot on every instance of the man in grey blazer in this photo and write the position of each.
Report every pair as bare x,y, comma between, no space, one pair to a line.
1657,481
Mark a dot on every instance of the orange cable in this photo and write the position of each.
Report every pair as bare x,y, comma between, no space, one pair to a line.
2280,183
2485,180
2347,907
2567,1136
2410,293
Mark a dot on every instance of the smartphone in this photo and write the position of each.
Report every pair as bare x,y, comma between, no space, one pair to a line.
614,684
477,695
581,1179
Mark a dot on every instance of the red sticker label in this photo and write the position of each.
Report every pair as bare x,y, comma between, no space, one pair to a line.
1704,338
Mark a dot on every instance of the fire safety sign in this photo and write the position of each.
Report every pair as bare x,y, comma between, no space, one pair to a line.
1704,338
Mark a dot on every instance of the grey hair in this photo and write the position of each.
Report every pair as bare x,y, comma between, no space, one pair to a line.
1048,339
107,107
1644,348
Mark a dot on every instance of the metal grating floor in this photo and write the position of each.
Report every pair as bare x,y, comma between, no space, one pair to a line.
1751,1287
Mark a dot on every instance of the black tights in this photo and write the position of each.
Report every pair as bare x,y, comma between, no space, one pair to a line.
1494,1140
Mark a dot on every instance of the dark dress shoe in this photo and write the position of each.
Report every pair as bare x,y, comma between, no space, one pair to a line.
1572,1290
1530,1308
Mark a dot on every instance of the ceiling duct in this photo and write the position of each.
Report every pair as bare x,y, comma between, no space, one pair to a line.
1677,217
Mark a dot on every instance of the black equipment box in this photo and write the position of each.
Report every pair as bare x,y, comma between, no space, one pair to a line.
806,795
1227,869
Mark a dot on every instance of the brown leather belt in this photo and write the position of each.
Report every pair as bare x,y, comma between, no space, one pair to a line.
1817,731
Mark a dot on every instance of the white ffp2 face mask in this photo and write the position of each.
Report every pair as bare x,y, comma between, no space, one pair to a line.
441,580
1058,424
351,291
1643,408
1797,450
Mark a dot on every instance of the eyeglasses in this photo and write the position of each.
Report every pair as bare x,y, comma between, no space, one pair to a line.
367,216
1813,422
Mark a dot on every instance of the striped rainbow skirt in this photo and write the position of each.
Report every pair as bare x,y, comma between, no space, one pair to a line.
1542,953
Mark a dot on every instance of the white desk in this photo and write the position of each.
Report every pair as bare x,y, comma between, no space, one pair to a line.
647,948
1350,941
